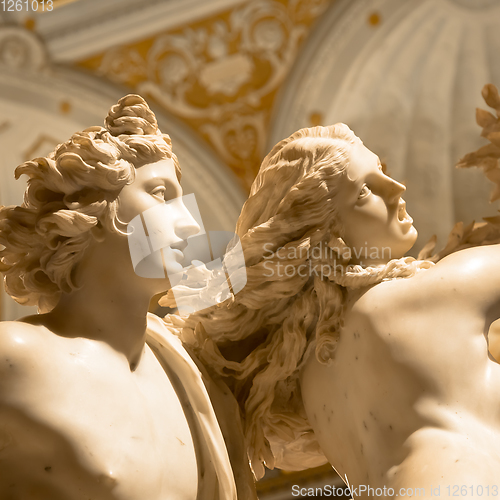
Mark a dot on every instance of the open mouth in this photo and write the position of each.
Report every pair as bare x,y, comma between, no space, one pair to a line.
179,245
402,214
179,256
175,250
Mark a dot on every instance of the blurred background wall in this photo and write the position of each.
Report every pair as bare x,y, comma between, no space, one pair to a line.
229,78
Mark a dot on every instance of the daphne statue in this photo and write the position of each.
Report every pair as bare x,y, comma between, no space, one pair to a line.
340,348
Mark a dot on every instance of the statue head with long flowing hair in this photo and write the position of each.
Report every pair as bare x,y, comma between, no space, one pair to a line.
298,273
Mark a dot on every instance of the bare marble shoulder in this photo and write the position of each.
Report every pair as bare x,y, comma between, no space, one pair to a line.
32,354
470,277
21,345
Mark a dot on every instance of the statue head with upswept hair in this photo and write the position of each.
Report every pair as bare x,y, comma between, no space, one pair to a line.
71,192
298,274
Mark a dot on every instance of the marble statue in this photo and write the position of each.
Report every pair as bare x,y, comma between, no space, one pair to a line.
342,349
98,399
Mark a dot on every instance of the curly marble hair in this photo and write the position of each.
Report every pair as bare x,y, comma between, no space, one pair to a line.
259,338
71,191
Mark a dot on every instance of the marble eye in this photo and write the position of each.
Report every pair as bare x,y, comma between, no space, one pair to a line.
365,191
159,192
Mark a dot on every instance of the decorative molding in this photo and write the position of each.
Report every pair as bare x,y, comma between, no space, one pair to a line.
21,50
82,29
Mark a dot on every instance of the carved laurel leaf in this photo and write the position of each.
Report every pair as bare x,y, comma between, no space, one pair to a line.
486,162
493,175
487,157
454,238
493,220
475,234
490,150
428,248
485,118
490,95
482,231
493,135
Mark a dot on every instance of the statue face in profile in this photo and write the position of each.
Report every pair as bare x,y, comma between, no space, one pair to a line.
371,212
155,186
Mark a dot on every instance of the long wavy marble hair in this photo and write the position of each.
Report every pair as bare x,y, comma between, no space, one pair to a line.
259,339
71,191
